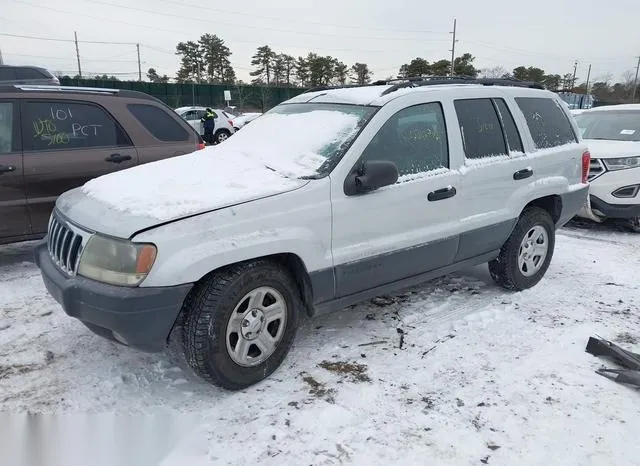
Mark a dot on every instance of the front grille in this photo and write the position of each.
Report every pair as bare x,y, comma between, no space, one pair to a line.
64,244
596,168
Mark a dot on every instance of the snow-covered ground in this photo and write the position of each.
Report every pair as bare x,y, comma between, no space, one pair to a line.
455,372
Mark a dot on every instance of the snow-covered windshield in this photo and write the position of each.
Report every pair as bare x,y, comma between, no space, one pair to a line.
301,140
615,125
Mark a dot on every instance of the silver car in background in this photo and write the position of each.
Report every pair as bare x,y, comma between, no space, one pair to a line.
223,125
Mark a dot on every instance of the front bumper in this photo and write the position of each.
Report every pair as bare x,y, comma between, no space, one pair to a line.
138,317
598,210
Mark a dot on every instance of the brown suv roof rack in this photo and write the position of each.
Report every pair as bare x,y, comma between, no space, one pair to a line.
77,90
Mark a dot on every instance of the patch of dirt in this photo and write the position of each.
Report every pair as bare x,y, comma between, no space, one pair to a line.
319,390
357,372
17,369
626,337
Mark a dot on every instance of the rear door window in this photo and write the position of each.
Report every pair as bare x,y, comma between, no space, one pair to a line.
547,122
60,125
159,123
480,127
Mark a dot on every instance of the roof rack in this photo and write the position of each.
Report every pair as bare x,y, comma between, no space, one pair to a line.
440,80
419,81
92,90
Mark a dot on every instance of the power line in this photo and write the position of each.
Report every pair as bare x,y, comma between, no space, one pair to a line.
244,14
245,26
21,36
182,32
42,57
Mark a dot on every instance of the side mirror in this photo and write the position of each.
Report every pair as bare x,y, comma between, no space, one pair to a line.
371,175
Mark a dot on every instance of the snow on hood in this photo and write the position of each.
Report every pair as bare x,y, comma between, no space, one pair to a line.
266,158
603,149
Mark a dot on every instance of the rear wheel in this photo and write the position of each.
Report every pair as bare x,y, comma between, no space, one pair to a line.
221,136
525,257
241,323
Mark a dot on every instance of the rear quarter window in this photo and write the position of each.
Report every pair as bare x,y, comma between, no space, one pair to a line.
159,123
547,122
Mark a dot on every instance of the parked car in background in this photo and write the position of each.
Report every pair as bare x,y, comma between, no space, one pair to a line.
241,120
223,126
53,139
32,75
367,191
613,135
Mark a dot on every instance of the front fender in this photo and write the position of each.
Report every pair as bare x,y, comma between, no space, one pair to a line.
297,222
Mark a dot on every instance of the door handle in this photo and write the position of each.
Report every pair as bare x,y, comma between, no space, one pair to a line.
440,194
522,174
7,168
117,158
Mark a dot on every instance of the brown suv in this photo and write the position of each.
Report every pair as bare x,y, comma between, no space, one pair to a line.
53,139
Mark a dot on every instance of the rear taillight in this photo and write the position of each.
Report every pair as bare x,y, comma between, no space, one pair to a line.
201,144
586,162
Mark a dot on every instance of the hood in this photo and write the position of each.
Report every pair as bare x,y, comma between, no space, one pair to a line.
123,203
606,149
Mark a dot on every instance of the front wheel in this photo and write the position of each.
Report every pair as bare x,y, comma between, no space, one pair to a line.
525,257
634,224
241,323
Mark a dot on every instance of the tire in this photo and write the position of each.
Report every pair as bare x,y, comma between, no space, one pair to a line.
221,136
211,338
633,224
508,270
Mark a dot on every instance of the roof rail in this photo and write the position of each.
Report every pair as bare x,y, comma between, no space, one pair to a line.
342,86
441,80
92,90
419,81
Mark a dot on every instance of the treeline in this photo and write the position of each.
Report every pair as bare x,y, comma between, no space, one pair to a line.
208,60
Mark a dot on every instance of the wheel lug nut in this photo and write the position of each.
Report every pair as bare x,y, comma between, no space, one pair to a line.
254,313
245,323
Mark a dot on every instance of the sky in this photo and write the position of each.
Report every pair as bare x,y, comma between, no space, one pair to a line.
550,34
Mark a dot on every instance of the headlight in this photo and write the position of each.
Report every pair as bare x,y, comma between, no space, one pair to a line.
622,163
116,262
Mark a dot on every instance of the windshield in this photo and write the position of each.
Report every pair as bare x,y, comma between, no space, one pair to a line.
302,140
622,125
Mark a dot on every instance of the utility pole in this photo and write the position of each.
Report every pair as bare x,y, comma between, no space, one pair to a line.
573,80
75,34
588,76
139,67
635,82
453,46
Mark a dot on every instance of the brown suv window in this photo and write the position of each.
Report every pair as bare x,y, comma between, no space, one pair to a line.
158,123
55,125
6,128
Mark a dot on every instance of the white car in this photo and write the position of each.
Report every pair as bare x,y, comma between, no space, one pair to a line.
613,135
223,126
241,120
370,190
